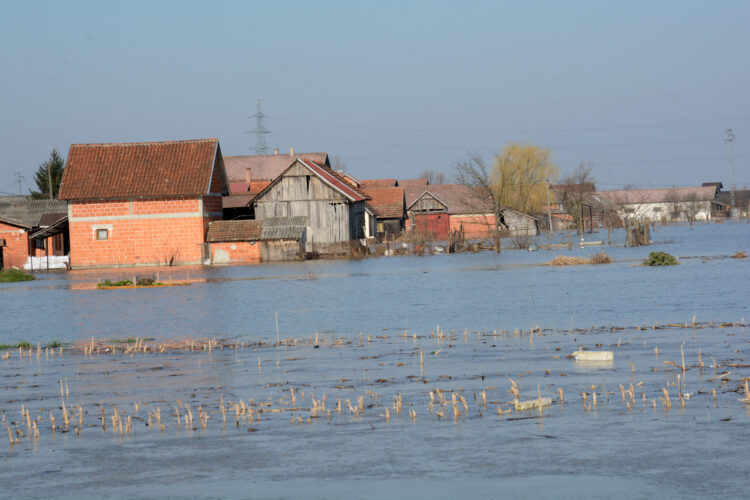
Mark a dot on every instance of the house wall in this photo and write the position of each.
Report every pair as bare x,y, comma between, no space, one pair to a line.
140,231
663,211
237,252
16,249
332,219
474,226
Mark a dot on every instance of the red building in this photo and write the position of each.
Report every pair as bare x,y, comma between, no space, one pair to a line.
140,204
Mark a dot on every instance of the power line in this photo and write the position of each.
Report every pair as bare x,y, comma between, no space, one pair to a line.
527,131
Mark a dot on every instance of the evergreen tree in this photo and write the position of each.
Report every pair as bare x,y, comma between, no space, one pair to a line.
54,168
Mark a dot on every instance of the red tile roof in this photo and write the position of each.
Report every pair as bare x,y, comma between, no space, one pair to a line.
335,180
238,187
265,167
141,169
377,183
386,203
412,183
234,230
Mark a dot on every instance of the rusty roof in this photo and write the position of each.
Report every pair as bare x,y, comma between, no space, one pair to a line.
141,169
386,202
265,167
378,183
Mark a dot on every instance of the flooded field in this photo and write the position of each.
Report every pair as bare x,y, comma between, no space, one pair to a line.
395,377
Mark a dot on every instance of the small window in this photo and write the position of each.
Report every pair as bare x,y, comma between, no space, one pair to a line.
102,234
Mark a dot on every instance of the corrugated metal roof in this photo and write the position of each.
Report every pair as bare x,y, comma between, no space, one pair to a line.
284,228
234,230
140,169
27,213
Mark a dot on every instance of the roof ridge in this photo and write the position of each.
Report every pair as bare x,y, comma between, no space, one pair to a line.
144,143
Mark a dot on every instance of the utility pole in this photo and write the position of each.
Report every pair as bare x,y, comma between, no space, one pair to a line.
18,179
729,140
260,131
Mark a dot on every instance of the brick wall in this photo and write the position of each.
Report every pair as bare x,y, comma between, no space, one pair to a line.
474,226
139,232
239,252
16,249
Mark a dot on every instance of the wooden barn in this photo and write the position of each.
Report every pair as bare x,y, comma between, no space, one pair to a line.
334,209
443,208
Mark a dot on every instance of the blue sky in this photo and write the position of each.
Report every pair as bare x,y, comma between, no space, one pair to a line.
643,90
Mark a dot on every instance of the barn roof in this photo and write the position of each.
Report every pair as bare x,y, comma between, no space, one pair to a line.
458,198
328,176
28,213
386,202
265,167
141,169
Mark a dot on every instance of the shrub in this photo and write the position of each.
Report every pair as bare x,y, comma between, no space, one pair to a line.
660,259
13,275
600,258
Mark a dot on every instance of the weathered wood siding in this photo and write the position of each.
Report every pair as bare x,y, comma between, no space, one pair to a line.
427,203
520,224
281,250
331,217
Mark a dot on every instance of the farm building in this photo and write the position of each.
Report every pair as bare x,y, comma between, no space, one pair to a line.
141,204
335,210
388,211
33,233
443,208
670,204
274,239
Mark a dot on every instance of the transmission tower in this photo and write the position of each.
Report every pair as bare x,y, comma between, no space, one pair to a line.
260,131
18,179
729,140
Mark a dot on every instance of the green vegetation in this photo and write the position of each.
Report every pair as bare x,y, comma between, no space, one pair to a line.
13,275
106,283
660,259
24,345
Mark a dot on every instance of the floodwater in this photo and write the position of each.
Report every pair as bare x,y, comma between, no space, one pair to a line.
470,317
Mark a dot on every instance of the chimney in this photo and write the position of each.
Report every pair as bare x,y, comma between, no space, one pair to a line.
276,151
341,173
291,151
248,175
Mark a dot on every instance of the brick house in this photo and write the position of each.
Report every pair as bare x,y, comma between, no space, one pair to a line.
141,204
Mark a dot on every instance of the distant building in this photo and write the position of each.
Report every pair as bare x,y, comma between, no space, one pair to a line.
255,241
386,204
144,203
334,209
440,209
666,204
32,231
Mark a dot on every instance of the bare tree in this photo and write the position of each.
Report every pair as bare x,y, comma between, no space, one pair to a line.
691,207
474,173
433,176
337,164
577,189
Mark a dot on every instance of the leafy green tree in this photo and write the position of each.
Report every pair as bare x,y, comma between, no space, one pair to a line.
51,171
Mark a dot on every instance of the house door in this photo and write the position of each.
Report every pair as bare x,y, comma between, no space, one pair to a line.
436,226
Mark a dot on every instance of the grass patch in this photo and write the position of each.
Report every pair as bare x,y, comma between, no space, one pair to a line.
600,258
14,275
25,345
660,259
740,255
